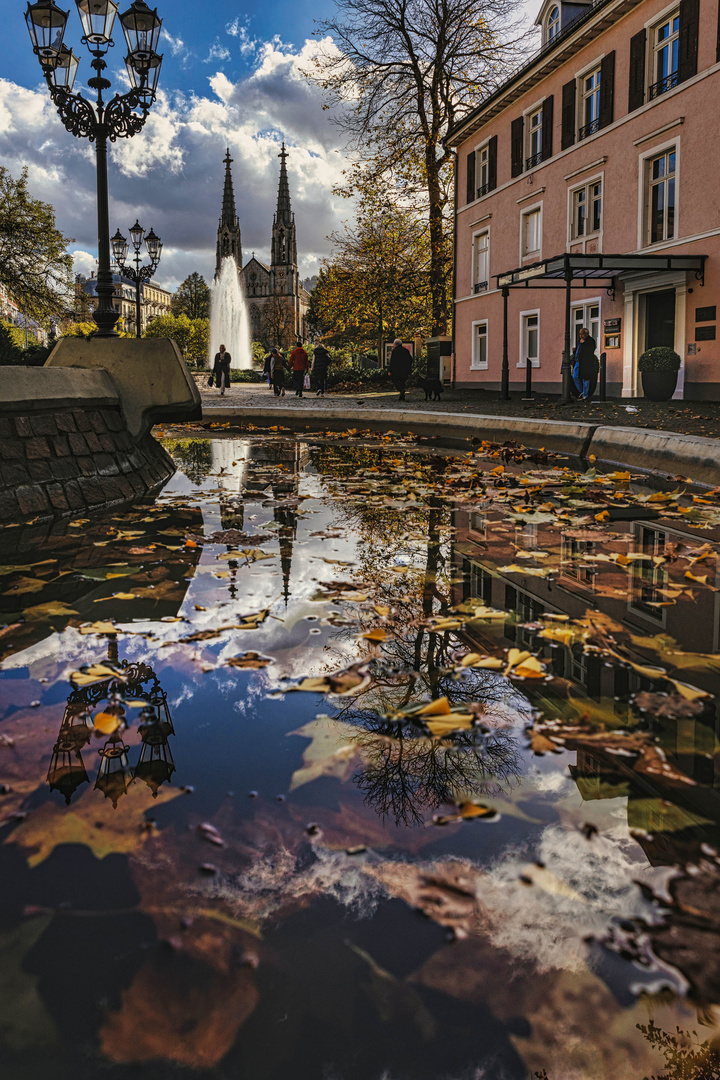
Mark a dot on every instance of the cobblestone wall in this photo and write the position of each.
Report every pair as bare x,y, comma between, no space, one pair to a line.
72,460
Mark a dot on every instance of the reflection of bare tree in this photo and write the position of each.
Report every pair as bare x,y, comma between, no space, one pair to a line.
194,456
406,774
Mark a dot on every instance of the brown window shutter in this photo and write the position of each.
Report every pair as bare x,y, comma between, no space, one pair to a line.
717,50
688,39
492,163
636,91
471,177
516,147
547,128
568,115
607,82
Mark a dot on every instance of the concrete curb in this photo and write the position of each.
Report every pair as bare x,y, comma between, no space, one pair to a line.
663,452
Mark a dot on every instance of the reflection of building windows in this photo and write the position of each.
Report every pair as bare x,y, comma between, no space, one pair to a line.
527,609
572,553
477,582
648,580
478,523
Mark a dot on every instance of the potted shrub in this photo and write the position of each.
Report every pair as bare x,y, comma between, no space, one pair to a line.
659,367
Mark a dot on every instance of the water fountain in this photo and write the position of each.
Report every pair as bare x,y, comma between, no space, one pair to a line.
229,322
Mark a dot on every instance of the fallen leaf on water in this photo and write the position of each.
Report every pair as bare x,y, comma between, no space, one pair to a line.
249,660
115,596
331,752
375,635
98,628
106,722
48,611
93,673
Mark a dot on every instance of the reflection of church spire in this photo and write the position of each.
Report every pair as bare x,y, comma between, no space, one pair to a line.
229,242
287,520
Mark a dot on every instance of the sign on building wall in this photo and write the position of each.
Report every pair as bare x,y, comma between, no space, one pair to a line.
613,333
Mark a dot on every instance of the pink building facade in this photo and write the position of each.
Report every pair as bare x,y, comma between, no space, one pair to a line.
604,145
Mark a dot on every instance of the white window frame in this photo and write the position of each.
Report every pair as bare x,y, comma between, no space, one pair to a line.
478,151
475,364
528,133
550,23
572,191
473,268
651,50
593,69
580,305
525,211
643,230
522,356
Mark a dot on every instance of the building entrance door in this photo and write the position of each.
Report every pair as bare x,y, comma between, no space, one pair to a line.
660,319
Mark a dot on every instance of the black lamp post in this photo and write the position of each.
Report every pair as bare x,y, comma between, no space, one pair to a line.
138,273
120,118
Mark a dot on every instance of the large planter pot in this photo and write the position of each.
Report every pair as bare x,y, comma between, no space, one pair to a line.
659,385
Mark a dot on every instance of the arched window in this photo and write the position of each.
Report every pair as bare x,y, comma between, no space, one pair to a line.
553,23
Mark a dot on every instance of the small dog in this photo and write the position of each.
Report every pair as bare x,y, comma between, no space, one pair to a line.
433,389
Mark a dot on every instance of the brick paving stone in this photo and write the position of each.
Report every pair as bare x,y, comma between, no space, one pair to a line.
93,489
60,446
107,443
12,448
123,440
65,422
106,465
44,425
6,428
37,448
65,469
113,420
14,473
86,466
77,444
9,507
96,422
81,420
31,499
23,427
94,445
39,471
56,495
73,495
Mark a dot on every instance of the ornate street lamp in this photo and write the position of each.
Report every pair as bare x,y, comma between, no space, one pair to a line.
138,274
120,118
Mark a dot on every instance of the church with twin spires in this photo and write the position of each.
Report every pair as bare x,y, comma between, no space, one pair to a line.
263,285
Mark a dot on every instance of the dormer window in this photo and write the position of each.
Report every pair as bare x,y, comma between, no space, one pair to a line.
553,24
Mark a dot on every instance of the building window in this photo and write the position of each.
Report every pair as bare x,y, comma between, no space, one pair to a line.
529,338
479,346
534,139
590,115
666,38
553,23
660,185
531,232
587,315
481,261
482,168
586,210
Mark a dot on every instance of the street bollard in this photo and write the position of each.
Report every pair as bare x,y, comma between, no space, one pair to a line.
602,385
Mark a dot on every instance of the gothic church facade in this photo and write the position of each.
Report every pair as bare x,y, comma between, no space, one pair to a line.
274,293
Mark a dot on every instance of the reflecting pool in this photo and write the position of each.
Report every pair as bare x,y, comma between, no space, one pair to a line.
361,758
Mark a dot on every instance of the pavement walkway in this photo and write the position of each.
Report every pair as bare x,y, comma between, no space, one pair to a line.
686,417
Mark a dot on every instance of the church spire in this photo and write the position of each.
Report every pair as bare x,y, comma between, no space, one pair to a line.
284,244
229,241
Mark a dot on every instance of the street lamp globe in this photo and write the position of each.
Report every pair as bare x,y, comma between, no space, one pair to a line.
97,18
119,247
141,27
143,72
46,24
153,244
136,234
64,69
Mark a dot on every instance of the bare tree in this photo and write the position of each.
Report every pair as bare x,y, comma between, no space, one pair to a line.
402,73
277,322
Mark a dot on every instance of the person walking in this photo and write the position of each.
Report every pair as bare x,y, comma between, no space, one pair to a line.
299,365
320,364
586,365
277,372
266,370
221,369
400,367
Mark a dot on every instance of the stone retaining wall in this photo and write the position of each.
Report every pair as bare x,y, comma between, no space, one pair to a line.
74,460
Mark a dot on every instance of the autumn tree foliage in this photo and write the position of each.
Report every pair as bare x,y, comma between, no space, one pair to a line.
192,335
192,298
35,267
377,282
277,322
400,74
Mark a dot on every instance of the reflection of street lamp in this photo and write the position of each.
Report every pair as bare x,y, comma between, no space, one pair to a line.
120,118
140,273
67,769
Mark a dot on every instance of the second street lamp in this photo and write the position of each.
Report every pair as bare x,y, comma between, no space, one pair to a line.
120,118
137,274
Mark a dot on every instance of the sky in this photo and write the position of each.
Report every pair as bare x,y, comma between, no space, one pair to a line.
231,76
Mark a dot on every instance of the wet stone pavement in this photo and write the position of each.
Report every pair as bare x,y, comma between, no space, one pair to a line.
363,759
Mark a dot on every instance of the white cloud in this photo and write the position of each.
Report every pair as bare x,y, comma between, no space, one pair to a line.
171,174
84,263
177,45
217,52
240,31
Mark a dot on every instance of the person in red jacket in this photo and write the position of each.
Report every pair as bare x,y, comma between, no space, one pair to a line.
298,365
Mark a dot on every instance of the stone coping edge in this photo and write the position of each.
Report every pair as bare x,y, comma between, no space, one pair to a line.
662,452
26,389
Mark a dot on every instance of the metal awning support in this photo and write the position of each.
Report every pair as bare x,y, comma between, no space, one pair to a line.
570,272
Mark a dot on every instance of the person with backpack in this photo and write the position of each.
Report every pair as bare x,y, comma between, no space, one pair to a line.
320,365
277,371
298,365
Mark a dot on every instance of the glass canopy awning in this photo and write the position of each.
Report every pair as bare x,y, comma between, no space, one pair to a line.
566,270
